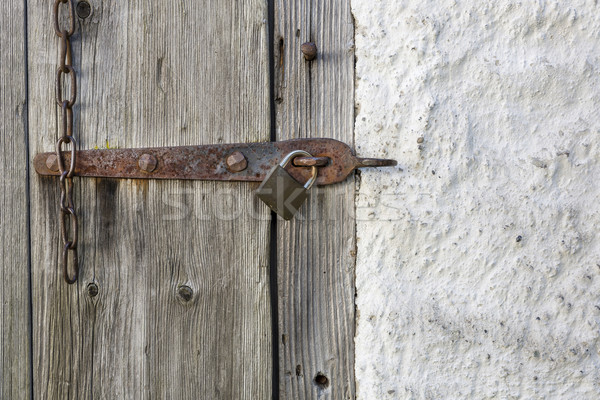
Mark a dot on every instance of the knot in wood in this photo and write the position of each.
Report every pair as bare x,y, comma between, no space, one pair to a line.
92,289
185,293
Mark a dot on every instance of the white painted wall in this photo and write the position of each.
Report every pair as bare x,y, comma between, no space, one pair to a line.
478,271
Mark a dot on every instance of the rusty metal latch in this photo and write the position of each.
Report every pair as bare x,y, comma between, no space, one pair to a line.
248,162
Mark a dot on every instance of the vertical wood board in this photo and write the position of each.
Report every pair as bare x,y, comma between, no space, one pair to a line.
182,309
316,250
15,356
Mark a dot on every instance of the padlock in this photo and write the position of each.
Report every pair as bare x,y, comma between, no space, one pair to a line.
282,193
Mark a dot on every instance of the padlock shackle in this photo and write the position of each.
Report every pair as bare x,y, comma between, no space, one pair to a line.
286,160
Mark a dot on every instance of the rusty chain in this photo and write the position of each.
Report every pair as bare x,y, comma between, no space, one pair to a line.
67,208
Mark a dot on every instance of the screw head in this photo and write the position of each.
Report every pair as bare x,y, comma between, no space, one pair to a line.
309,49
236,162
147,162
83,9
52,162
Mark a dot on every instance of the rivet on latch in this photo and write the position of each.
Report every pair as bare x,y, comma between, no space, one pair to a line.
236,162
147,162
52,162
309,49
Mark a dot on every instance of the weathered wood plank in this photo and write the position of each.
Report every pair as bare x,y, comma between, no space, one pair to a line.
155,74
316,250
14,242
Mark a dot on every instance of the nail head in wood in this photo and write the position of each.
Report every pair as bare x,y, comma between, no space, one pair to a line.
309,49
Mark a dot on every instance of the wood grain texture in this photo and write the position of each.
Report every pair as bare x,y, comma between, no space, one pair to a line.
14,242
316,250
157,73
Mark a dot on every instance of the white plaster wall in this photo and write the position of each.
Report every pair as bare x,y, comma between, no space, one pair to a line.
478,260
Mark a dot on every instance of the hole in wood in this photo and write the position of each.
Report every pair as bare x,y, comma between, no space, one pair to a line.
321,381
83,9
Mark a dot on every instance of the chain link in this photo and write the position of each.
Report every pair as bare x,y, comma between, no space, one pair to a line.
67,207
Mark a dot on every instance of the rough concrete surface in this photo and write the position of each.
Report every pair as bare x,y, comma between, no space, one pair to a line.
478,259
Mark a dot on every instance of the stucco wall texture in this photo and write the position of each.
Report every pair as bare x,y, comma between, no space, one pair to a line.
478,259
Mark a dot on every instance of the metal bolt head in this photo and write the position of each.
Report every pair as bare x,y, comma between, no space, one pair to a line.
83,9
147,162
236,162
52,162
309,49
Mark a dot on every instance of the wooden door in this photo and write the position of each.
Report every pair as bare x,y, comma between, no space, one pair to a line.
188,289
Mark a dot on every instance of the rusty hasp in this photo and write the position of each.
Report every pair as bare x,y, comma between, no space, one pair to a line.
248,162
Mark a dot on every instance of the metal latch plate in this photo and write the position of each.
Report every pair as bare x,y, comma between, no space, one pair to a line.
208,162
